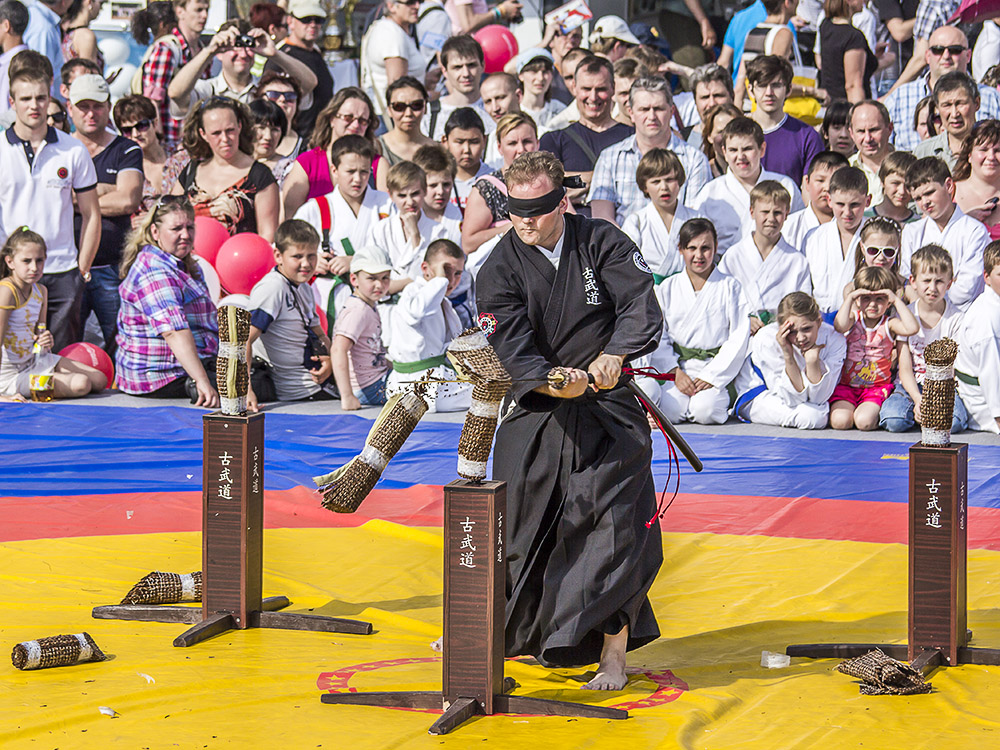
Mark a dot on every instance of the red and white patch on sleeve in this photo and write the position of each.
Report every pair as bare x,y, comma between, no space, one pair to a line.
488,322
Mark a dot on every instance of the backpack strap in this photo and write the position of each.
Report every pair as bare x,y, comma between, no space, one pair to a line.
435,111
325,221
584,146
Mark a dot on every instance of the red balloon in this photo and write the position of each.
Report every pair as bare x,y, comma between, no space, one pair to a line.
92,355
242,261
499,46
209,235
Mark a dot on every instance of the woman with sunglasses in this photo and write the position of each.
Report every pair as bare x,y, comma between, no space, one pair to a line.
57,117
407,102
977,176
388,50
350,112
280,88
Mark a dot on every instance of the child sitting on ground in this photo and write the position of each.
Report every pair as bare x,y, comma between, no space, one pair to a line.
660,176
423,324
767,267
25,344
895,204
360,368
930,279
797,362
284,326
879,246
978,365
816,187
866,380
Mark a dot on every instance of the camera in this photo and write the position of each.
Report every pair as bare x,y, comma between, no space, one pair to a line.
245,40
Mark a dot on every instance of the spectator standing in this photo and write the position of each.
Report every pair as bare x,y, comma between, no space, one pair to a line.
612,38
13,22
389,52
871,131
465,140
135,118
956,97
462,63
118,162
772,36
78,39
407,102
930,17
468,15
501,94
305,25
740,26
846,61
560,43
711,85
836,128
716,120
270,126
273,20
536,71
571,112
281,88
42,167
44,32
614,193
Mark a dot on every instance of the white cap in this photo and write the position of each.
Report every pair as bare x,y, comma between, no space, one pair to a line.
530,55
90,87
613,27
370,259
306,8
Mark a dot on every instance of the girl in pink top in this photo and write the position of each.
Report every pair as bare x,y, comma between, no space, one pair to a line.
865,318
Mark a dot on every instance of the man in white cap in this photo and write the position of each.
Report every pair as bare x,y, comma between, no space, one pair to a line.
118,162
612,38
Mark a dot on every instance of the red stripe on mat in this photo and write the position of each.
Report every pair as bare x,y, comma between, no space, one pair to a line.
422,505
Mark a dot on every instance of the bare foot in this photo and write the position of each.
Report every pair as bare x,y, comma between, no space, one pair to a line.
611,671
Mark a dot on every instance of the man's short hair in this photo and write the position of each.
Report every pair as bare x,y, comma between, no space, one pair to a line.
765,68
28,65
434,158
773,6
991,256
629,68
883,112
849,180
444,247
928,169
651,85
529,166
932,258
461,46
295,233
574,54
658,162
832,160
351,144
956,81
240,24
711,73
464,118
770,190
78,66
896,163
14,12
402,174
513,82
593,64
742,127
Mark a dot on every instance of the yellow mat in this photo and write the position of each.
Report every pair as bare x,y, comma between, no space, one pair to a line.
720,601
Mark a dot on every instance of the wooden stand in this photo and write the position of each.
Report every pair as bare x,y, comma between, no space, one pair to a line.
938,519
474,569
232,545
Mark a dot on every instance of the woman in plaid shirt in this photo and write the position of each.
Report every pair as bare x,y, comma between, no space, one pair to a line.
167,329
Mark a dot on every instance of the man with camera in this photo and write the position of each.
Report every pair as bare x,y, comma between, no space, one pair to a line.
235,45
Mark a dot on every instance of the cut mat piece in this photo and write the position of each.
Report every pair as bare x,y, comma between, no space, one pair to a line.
720,601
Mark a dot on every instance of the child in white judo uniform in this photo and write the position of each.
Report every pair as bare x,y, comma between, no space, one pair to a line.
815,185
896,199
767,267
796,363
660,176
706,332
978,365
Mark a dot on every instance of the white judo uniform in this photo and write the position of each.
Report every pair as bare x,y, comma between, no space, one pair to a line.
727,203
830,268
964,238
798,225
658,245
779,403
765,281
977,367
424,323
707,333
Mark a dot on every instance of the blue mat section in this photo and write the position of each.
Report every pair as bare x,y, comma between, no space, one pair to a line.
87,450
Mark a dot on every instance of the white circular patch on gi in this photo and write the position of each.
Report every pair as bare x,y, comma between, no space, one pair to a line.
640,262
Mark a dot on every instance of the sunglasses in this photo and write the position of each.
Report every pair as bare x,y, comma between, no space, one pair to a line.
411,3
58,118
954,49
140,127
310,20
350,119
288,96
400,107
888,252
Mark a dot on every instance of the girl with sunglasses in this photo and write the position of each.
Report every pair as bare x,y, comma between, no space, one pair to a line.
407,102
879,248
280,88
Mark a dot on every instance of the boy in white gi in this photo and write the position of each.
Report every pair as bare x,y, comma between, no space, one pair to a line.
766,266
796,363
660,176
706,332
423,324
343,219
726,199
978,364
896,198
831,248
929,182
439,168
930,278
815,185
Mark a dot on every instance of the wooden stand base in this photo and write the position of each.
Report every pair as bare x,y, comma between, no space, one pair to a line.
925,661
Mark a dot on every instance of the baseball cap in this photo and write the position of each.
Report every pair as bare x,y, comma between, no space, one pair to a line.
370,259
306,8
530,55
89,87
613,27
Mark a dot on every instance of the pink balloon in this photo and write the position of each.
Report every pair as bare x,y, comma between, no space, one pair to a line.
92,355
242,261
499,46
209,235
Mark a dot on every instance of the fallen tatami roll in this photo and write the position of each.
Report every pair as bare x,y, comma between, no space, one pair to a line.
56,651
165,588
883,675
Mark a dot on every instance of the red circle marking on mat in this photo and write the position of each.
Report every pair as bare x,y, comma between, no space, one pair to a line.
669,687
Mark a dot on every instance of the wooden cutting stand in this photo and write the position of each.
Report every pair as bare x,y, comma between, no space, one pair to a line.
938,520
232,545
473,682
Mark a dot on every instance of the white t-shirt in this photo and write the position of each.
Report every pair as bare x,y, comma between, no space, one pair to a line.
947,327
386,39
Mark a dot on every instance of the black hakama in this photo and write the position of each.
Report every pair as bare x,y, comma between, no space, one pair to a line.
579,486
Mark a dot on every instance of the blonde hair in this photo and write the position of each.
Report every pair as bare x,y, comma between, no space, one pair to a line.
143,234
801,304
513,120
931,258
533,164
770,190
15,242
875,279
403,174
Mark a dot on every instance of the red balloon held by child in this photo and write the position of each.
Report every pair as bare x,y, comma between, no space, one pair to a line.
242,261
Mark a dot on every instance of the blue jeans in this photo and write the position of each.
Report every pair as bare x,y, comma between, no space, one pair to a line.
896,414
374,394
101,296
